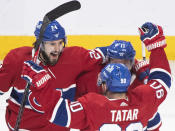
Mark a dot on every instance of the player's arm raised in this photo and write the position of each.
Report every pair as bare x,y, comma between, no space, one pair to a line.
160,74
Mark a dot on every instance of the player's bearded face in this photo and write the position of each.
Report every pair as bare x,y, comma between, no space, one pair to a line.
52,50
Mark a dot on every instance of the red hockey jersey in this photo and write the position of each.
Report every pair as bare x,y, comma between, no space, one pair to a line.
73,62
96,112
88,83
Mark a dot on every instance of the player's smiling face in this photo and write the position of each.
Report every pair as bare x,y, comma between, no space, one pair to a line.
53,50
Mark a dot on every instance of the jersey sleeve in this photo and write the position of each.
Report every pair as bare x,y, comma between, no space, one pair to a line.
61,111
154,122
90,59
69,114
159,80
7,72
91,64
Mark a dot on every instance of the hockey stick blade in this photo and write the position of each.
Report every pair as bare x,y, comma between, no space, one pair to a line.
63,9
56,13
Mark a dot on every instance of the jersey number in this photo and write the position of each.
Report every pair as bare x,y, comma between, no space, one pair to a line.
94,54
115,127
76,106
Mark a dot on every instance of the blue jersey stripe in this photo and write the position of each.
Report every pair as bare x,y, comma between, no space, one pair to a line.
153,122
1,92
17,96
61,116
161,75
68,94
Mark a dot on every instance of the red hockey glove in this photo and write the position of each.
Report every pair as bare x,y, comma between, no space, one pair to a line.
35,74
152,36
141,68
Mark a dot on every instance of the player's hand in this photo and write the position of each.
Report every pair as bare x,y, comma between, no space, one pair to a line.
141,69
152,36
35,74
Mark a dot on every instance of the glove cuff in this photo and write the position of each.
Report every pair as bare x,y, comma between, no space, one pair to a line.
140,65
160,43
144,75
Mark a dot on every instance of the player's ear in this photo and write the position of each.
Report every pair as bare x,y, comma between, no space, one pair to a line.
104,88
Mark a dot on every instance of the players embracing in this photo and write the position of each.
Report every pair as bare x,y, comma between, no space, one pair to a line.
120,109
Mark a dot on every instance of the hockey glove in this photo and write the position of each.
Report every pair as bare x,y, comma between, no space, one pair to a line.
141,69
152,36
35,74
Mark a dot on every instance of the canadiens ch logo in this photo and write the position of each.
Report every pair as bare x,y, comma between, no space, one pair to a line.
34,104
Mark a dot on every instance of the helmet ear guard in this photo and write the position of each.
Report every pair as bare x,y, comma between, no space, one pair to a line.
116,76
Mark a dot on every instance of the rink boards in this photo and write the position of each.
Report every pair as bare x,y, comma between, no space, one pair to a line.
86,41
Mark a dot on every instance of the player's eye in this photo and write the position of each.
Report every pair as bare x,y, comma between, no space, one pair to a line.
52,43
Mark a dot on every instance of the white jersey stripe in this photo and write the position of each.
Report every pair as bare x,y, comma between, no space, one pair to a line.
19,90
1,92
68,114
144,128
162,82
159,69
37,71
55,110
153,116
14,101
154,127
103,57
70,87
18,129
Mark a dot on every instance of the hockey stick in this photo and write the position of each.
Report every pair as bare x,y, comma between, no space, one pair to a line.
143,52
48,18
143,45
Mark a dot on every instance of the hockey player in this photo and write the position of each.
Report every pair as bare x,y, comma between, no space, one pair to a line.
124,53
118,110
64,66
119,52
